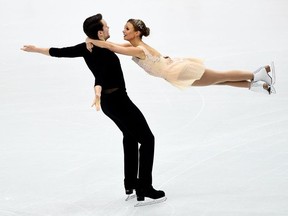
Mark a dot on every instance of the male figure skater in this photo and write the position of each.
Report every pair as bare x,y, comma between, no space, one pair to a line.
116,104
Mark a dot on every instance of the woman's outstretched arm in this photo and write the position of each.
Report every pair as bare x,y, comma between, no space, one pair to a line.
123,44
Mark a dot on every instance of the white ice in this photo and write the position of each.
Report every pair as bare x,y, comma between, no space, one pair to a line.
220,151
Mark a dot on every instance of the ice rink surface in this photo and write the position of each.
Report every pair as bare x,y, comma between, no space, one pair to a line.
220,151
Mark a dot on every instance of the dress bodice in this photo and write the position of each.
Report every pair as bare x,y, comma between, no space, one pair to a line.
154,65
180,72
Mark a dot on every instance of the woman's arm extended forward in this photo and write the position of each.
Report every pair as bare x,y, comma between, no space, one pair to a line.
121,49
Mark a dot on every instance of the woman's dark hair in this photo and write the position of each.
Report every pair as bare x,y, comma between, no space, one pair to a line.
92,25
139,25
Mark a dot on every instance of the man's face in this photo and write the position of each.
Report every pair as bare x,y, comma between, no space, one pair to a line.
105,33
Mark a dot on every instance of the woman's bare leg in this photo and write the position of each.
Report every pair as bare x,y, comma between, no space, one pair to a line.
240,84
234,78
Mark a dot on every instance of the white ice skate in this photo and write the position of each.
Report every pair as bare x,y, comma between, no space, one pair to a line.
260,87
266,74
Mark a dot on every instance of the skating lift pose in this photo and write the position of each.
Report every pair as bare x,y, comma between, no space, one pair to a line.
183,72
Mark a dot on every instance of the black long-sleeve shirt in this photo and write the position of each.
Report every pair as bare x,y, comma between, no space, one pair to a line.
103,63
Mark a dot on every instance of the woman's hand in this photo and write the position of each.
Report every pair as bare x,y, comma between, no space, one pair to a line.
89,44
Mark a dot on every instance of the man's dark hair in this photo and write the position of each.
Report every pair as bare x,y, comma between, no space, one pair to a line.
92,25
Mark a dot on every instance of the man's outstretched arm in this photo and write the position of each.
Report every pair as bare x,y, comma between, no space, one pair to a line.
32,48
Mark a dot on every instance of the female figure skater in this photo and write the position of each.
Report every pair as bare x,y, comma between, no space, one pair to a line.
183,72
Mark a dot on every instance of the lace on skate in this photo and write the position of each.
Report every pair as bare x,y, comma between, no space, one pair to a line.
150,201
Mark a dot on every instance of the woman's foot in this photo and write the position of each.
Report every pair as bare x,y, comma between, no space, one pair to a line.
266,74
262,74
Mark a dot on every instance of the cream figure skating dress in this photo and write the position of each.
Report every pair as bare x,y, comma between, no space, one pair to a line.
180,72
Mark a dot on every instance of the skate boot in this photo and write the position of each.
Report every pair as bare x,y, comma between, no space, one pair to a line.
130,194
266,74
130,187
153,196
262,87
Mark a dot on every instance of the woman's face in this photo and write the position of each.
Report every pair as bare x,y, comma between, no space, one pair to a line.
129,32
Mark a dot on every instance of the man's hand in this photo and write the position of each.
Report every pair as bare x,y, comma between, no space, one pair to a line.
96,102
32,48
29,48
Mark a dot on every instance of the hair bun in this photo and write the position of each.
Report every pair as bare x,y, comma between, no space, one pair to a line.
147,32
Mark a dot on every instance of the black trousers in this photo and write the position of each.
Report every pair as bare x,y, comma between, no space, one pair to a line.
129,119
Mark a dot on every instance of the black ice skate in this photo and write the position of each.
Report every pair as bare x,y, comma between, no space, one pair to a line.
130,187
153,196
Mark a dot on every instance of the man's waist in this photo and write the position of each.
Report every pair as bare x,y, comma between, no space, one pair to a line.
109,90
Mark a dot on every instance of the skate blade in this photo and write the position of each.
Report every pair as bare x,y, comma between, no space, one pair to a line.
273,73
150,202
130,197
272,90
